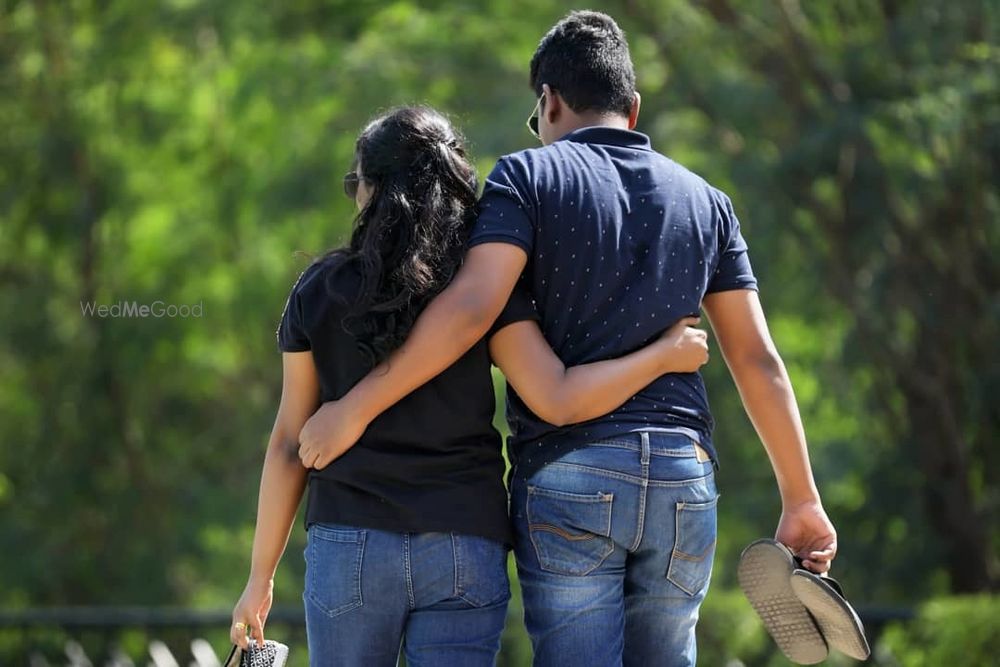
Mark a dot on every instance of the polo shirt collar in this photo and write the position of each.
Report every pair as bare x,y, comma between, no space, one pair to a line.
602,134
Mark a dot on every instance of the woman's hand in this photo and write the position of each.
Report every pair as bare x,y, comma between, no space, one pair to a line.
683,348
251,611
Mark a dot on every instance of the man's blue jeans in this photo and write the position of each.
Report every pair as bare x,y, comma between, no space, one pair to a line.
614,545
442,596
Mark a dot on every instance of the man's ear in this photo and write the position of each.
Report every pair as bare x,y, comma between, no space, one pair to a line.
553,104
633,114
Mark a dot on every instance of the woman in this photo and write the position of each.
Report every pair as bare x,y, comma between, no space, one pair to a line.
407,531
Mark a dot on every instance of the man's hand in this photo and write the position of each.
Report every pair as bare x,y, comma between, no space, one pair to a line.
330,432
683,349
807,531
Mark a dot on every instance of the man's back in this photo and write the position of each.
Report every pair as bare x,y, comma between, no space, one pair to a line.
621,243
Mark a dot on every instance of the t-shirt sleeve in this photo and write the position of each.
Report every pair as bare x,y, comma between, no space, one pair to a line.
520,307
505,213
291,332
733,270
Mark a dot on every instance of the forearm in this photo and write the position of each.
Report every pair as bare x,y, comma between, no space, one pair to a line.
282,482
445,331
450,325
591,390
769,401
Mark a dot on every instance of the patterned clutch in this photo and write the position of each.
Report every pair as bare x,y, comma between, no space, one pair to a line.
271,654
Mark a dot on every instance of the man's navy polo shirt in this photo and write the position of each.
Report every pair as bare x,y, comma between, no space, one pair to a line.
621,242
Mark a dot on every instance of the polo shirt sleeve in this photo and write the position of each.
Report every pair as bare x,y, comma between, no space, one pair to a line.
291,331
733,270
504,213
520,307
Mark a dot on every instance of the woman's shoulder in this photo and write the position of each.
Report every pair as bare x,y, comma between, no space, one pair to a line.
327,277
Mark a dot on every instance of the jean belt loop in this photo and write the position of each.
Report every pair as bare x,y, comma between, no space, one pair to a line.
644,436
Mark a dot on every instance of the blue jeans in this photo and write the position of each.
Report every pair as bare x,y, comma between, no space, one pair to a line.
443,596
614,544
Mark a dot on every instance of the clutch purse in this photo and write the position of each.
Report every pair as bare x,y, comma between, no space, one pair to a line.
271,654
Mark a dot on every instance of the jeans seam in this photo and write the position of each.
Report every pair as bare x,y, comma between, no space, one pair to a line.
625,477
456,554
683,482
643,489
598,471
408,569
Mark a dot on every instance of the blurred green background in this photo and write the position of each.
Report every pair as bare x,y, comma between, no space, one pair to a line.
188,150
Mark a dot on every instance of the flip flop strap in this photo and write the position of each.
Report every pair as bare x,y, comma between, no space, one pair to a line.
834,584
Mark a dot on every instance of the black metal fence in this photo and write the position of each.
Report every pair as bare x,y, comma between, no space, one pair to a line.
182,637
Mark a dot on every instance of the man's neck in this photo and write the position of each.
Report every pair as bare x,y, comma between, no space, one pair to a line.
590,119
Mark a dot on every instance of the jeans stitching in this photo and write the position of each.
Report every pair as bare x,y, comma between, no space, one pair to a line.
612,474
602,497
677,553
456,553
355,591
644,460
407,567
560,532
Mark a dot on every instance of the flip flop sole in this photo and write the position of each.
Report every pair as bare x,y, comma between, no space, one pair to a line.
764,574
837,620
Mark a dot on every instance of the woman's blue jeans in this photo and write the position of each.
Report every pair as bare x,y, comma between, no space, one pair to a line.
614,545
441,597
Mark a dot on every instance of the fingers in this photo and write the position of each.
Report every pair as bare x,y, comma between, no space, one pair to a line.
313,458
819,560
691,321
257,630
238,633
819,567
306,455
824,555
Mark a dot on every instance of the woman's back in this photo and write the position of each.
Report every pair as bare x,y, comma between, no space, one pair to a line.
430,463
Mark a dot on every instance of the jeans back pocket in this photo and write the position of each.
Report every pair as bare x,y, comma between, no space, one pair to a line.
480,570
694,546
571,532
333,568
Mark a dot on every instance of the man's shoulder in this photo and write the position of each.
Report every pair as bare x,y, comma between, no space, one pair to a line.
528,158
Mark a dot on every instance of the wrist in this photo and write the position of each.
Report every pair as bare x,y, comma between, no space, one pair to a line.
357,406
792,499
663,356
260,578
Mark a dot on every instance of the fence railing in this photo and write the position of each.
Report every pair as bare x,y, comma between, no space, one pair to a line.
115,636
180,636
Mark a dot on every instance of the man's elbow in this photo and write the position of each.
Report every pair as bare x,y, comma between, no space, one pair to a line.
560,418
473,314
764,361
557,411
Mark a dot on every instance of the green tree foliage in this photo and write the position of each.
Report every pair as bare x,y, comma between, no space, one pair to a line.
185,150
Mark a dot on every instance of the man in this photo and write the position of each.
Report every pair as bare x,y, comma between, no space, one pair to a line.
614,518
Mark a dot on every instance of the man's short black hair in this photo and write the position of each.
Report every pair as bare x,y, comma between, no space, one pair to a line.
585,59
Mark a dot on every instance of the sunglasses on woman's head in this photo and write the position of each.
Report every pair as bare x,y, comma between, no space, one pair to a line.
351,181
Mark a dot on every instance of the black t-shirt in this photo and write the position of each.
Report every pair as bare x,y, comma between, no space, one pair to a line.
430,463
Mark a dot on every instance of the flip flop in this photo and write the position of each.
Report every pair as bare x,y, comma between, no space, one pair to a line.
765,574
837,620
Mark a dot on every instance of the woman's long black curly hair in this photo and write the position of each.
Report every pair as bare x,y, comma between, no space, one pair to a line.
409,239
